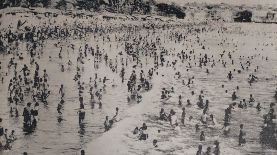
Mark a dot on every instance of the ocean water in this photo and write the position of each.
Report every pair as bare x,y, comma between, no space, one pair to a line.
67,137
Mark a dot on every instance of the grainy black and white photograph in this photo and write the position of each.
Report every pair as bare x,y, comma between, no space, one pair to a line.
138,77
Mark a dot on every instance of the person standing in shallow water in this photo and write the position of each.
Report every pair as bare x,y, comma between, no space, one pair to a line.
142,132
27,115
82,152
208,152
202,136
216,148
199,151
183,115
163,115
230,76
107,124
241,136
81,113
1,127
34,113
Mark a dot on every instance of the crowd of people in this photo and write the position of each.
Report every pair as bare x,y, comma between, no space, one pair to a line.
139,59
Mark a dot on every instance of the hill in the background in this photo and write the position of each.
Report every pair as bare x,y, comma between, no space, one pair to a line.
218,10
115,6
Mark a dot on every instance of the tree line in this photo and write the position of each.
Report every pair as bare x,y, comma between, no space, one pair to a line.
91,5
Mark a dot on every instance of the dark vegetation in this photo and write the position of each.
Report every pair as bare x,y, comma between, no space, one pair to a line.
90,5
115,6
243,16
171,10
